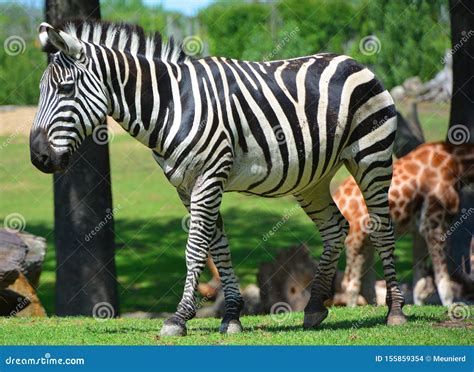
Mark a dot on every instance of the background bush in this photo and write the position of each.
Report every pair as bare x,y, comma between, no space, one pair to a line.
413,34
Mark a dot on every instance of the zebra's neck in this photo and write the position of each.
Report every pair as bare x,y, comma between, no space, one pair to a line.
138,90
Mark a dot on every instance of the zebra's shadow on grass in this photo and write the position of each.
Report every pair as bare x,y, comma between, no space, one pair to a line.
365,323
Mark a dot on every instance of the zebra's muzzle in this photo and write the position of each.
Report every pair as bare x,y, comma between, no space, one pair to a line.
43,156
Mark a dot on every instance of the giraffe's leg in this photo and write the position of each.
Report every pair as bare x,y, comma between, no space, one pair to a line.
354,266
375,188
432,227
220,253
211,288
204,210
368,280
421,289
320,207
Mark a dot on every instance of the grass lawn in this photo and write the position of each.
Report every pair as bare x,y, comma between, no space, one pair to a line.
360,326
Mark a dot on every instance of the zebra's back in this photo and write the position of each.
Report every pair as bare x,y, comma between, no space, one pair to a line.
289,121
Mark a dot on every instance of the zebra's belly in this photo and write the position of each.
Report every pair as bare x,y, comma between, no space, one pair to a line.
252,174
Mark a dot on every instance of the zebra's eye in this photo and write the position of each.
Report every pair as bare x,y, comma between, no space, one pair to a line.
66,88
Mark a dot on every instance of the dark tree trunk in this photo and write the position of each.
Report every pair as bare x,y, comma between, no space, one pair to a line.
462,113
85,274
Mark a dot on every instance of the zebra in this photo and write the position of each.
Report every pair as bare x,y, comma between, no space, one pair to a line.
215,125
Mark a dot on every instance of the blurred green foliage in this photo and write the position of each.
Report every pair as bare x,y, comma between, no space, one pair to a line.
413,34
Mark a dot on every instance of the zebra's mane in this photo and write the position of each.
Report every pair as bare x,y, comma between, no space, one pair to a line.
127,38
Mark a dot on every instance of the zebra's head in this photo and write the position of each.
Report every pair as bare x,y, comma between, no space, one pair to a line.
73,101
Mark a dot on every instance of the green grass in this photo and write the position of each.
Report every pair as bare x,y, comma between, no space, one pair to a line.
149,235
359,326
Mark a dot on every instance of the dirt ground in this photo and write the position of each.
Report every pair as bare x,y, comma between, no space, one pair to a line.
17,120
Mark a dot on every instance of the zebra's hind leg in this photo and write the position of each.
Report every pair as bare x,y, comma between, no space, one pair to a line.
220,254
333,227
374,183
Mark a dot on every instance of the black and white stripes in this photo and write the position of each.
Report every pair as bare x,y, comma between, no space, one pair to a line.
216,125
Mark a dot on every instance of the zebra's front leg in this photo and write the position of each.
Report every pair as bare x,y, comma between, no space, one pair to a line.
204,211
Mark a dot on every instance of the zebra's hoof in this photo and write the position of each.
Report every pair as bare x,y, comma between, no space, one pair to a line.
312,320
231,327
173,327
395,318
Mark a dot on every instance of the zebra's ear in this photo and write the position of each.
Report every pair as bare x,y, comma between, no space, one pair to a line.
53,40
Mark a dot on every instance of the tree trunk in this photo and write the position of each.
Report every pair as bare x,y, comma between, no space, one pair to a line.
85,273
462,114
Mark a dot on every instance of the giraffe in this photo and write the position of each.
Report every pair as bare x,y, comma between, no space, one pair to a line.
423,198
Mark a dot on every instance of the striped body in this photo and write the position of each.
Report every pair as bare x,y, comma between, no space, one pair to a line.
216,125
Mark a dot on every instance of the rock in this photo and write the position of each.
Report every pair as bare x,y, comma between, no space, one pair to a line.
29,305
12,254
33,263
21,261
287,279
